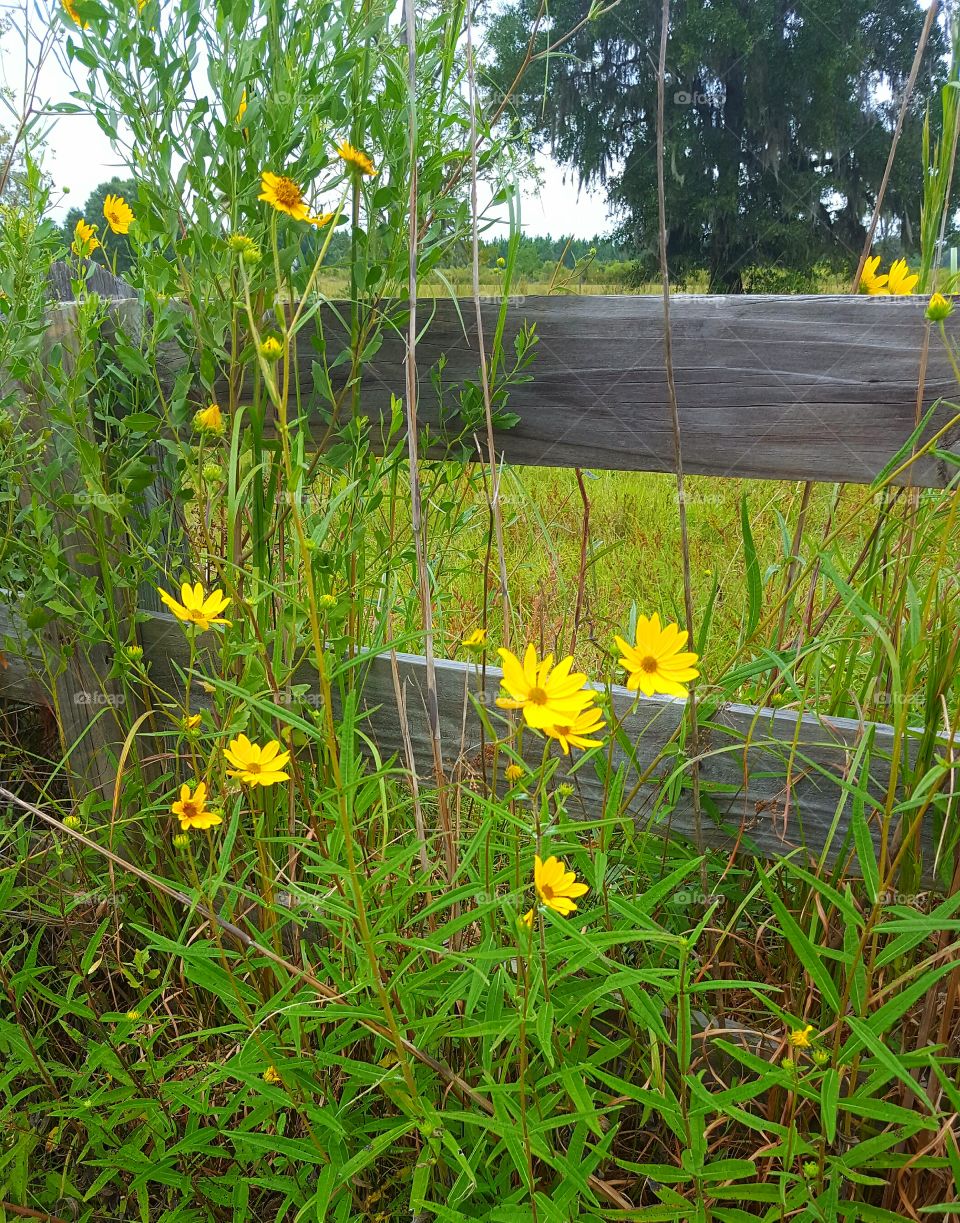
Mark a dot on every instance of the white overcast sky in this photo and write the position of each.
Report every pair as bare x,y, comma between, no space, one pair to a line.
79,157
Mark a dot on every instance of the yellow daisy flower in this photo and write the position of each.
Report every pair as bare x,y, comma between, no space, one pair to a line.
869,280
556,886
191,809
800,1037
255,765
271,1076
657,662
118,213
72,13
284,195
196,606
547,694
209,419
271,349
191,721
577,732
901,281
526,920
323,218
513,772
241,109
85,240
355,158
476,639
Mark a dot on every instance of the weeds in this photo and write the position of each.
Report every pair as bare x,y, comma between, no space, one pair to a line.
255,968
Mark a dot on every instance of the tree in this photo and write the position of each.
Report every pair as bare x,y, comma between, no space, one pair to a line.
115,246
778,122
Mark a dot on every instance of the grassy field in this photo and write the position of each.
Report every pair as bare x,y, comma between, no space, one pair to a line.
633,554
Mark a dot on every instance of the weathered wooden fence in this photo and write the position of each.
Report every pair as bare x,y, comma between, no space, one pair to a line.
796,388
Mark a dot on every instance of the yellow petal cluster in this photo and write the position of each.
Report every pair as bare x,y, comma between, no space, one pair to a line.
356,159
657,661
898,282
256,765
118,214
191,808
556,886
197,607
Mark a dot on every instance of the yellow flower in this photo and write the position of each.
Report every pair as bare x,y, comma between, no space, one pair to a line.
526,920
870,280
327,601
577,732
271,1076
255,765
800,1037
191,809
284,195
118,213
513,772
271,349
354,158
71,11
85,240
901,280
657,662
547,694
241,109
133,1016
939,308
191,721
556,886
323,218
197,607
209,419
475,640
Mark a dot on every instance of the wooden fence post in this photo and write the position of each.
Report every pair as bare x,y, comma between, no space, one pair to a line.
94,711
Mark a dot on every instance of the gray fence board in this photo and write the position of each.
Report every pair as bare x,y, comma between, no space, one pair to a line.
748,754
797,388
771,776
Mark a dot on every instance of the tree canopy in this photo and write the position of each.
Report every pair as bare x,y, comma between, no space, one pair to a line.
778,122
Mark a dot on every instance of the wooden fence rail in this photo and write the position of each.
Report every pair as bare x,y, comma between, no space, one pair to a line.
787,388
817,388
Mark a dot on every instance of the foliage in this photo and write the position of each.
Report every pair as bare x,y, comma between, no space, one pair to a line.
331,990
777,130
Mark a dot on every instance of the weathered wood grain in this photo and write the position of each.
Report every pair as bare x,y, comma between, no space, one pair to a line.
819,388
794,388
99,280
770,777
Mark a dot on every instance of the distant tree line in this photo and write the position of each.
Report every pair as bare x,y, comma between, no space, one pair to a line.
778,123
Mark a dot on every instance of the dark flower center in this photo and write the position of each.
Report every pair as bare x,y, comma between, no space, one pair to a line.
287,192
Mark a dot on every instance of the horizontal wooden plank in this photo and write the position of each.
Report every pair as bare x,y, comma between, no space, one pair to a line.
770,777
807,387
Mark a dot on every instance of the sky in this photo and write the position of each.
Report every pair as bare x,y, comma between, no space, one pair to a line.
79,158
